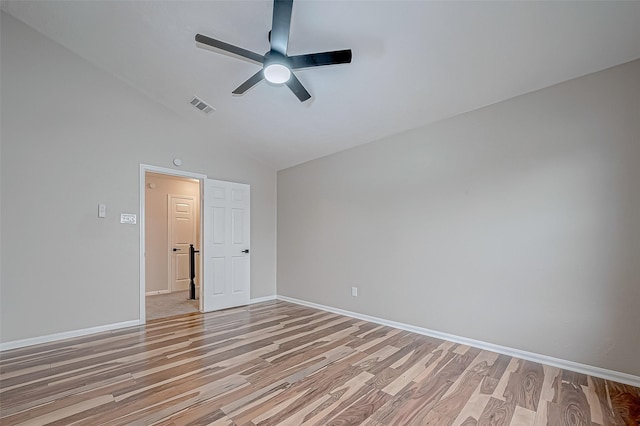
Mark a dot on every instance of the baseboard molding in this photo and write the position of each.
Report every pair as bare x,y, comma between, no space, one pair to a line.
262,299
66,335
154,293
529,356
85,331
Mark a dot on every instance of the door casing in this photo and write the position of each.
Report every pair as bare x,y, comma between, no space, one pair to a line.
171,172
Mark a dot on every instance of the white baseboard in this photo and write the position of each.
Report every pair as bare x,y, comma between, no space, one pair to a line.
529,356
262,299
153,293
83,332
66,335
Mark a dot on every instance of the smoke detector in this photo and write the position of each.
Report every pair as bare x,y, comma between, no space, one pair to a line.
201,105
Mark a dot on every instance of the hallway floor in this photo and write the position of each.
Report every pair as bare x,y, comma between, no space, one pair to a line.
169,305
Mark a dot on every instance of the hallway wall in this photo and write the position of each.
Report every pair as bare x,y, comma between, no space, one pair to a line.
156,219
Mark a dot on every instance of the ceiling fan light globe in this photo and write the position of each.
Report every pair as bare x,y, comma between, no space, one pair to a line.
277,73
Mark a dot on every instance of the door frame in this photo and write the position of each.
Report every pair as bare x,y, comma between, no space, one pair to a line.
142,184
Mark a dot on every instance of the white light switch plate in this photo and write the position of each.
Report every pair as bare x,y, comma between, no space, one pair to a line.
128,218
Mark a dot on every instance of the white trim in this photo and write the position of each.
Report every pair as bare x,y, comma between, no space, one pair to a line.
529,356
199,286
262,299
141,195
66,335
171,172
155,293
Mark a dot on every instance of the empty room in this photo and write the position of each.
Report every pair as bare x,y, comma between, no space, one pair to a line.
320,212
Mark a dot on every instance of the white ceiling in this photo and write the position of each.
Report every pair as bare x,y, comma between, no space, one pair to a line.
414,62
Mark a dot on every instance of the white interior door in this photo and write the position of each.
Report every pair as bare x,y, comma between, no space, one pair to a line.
226,258
182,232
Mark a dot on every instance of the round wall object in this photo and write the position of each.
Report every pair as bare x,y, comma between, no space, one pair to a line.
177,162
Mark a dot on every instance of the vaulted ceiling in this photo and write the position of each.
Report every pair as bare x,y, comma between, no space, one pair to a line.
414,62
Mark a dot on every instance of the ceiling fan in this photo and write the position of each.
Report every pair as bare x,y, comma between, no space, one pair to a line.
277,66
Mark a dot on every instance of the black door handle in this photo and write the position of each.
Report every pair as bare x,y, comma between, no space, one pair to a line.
176,249
245,251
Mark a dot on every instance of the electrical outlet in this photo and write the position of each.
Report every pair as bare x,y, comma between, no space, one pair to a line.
354,291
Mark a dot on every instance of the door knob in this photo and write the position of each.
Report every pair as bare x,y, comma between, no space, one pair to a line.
245,251
176,249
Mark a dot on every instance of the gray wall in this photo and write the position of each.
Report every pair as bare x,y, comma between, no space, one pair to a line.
517,224
72,137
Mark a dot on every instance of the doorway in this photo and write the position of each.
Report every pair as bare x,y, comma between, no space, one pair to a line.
223,217
172,223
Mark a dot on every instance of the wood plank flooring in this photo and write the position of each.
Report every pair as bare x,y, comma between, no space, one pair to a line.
277,363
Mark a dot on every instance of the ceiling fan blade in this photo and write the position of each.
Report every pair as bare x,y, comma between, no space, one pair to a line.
253,80
297,88
281,25
239,51
319,59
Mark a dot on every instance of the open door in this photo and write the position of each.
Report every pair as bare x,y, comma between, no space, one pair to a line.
225,254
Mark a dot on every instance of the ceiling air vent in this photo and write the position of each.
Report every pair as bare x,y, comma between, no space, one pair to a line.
201,105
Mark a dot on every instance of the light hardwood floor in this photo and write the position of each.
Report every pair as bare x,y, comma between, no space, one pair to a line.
278,363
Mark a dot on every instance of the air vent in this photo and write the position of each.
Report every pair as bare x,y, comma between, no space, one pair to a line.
201,105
